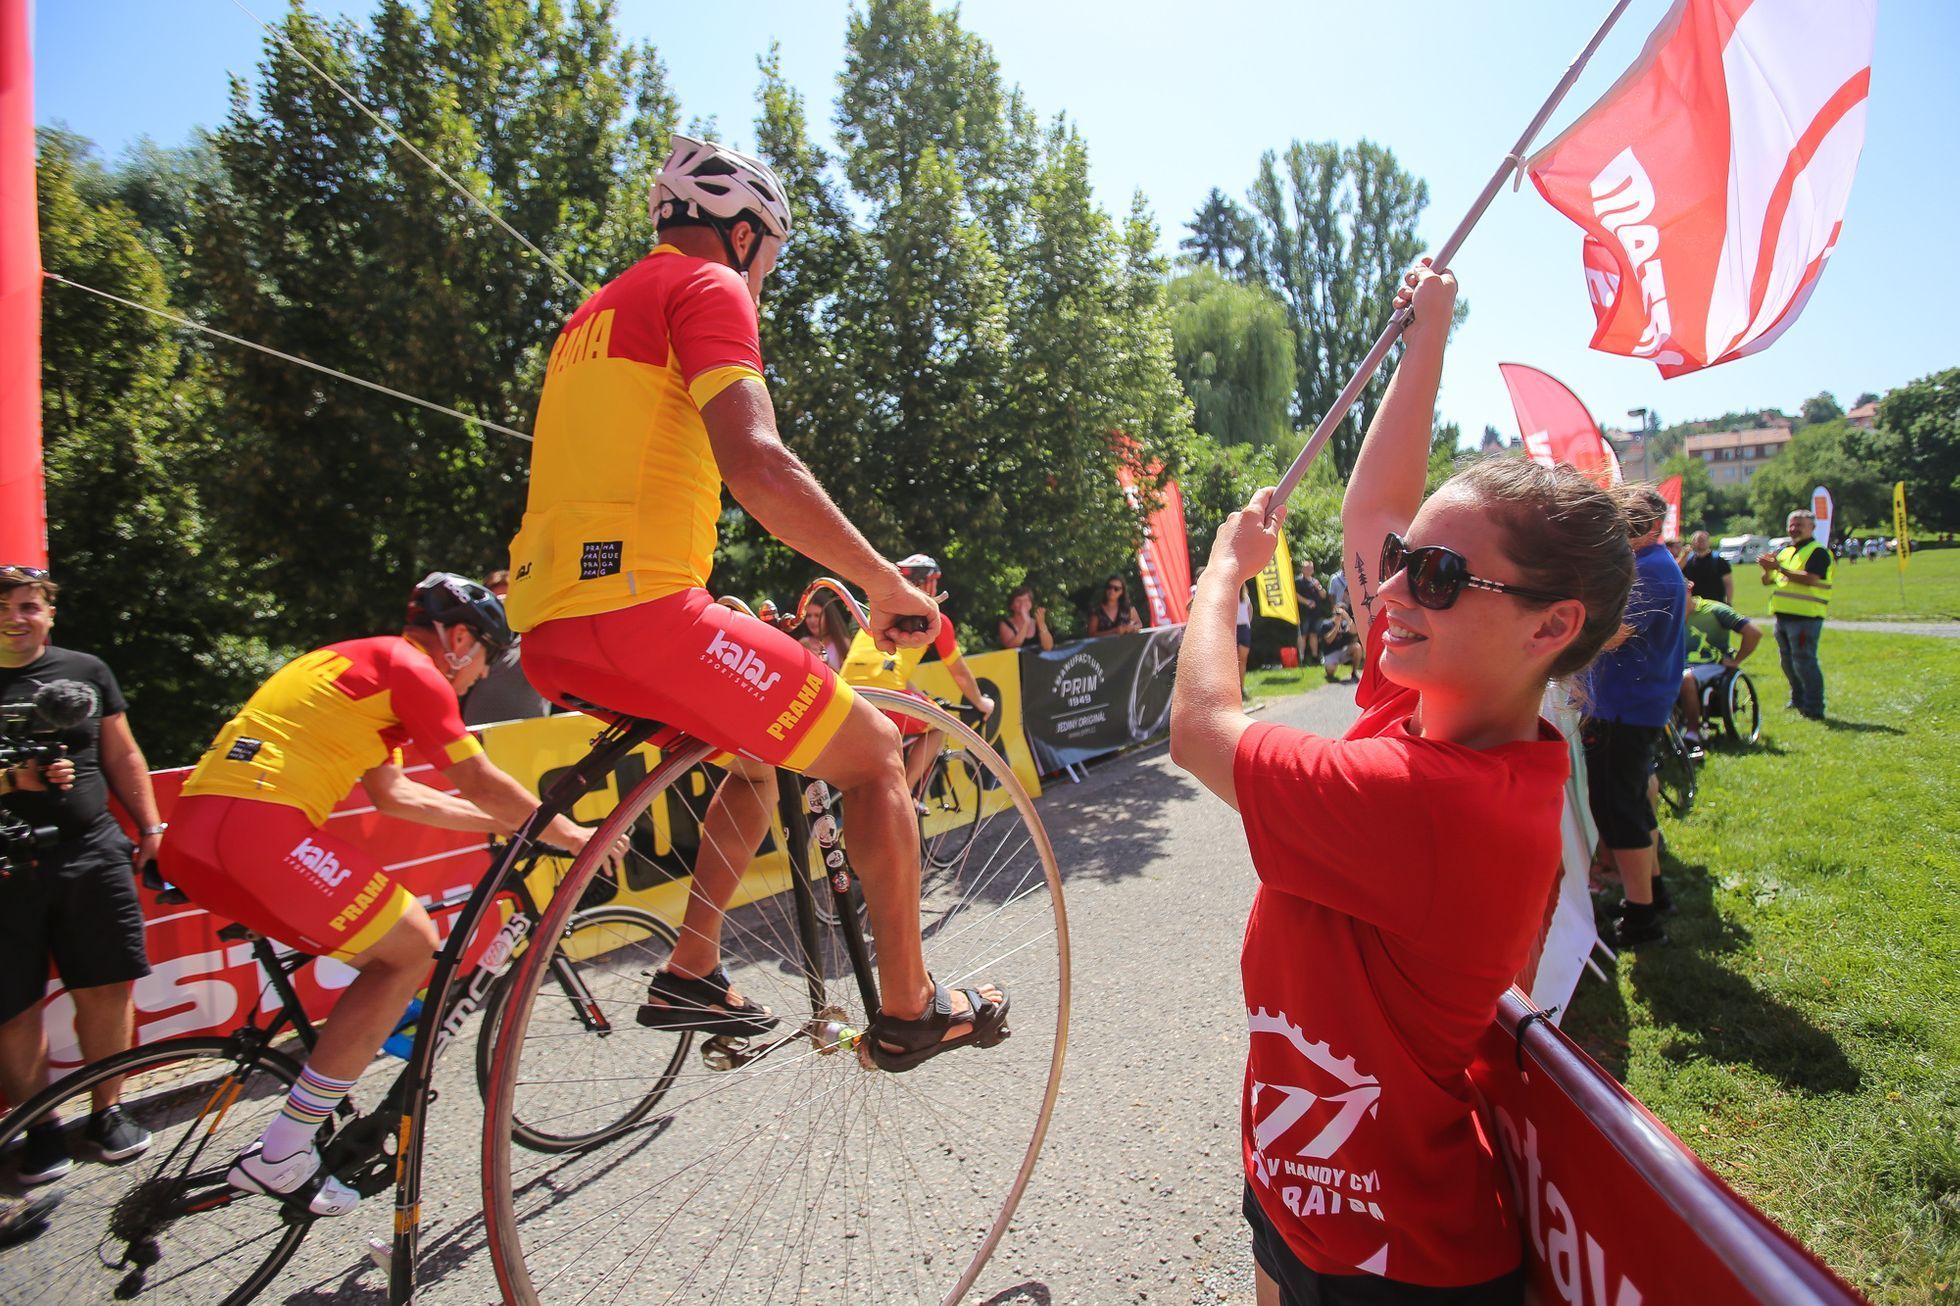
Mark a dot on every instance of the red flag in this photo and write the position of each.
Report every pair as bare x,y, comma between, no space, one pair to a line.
1164,560
1556,426
23,503
1712,179
1671,525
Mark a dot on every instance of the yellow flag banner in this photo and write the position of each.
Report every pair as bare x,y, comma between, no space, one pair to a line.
1899,524
1274,585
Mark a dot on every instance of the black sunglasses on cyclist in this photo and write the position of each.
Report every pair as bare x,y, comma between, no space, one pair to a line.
1437,576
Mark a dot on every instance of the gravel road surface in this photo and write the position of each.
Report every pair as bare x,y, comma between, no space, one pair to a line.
1136,1197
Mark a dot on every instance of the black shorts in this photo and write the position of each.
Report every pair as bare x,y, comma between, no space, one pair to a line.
77,908
1300,1286
1619,760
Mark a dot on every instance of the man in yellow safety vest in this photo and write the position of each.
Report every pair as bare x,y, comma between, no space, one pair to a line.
1801,574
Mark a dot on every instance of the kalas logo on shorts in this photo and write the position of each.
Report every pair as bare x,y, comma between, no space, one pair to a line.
741,663
319,861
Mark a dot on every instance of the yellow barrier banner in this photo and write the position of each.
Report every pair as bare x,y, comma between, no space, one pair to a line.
1274,586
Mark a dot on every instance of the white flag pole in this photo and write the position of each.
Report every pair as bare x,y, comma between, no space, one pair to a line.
1513,162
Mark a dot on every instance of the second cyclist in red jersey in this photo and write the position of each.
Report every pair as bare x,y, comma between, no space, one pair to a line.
246,840
653,400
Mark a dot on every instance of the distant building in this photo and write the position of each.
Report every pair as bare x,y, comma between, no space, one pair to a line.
1864,416
1493,442
1631,450
1734,456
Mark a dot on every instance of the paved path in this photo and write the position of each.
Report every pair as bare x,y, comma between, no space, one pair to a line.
1136,1198
1940,629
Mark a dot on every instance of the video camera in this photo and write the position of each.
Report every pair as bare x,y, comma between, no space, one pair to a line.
27,736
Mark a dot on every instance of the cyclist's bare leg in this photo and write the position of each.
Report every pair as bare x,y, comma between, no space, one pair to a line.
734,824
921,749
390,973
863,760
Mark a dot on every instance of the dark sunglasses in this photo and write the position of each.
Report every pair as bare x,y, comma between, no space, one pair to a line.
25,573
1438,575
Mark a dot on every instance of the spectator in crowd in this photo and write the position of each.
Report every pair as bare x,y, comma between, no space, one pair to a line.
1403,870
1709,574
503,694
1710,653
1801,576
1244,632
1112,613
826,630
1339,645
78,905
1312,597
1630,693
1024,623
1337,590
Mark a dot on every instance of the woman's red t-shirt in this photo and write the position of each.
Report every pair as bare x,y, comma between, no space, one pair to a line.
1402,883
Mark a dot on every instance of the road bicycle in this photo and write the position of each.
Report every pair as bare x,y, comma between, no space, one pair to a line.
1674,767
617,1166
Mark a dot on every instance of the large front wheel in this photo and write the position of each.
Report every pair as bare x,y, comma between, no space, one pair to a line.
783,1171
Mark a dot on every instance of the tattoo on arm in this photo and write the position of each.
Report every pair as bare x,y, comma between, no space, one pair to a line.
1361,575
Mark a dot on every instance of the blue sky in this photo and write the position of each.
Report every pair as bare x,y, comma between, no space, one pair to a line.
1174,99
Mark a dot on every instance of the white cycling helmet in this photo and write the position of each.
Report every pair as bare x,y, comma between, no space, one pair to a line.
711,181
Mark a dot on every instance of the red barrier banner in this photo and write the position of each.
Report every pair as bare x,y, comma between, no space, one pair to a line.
1616,1210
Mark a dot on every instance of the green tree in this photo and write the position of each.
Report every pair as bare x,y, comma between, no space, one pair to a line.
1917,441
1234,357
1820,408
328,240
1336,230
1223,237
1827,454
127,417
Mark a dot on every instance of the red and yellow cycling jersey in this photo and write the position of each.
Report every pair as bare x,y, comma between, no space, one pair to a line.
865,665
327,718
624,487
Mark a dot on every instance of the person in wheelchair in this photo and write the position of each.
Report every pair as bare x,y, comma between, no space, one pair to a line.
1711,655
866,665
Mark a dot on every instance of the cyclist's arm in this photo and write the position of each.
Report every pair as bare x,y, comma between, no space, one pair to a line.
1751,636
969,687
773,486
1386,488
396,795
509,803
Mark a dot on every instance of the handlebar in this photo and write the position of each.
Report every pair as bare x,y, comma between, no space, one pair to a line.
822,584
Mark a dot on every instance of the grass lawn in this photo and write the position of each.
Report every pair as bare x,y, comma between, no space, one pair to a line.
1869,591
1802,1030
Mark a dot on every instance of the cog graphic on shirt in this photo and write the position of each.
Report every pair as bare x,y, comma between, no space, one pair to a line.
1327,1113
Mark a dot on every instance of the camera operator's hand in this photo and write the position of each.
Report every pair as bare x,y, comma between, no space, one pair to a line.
36,778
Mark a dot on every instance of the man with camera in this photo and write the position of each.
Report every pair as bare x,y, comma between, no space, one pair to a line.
69,891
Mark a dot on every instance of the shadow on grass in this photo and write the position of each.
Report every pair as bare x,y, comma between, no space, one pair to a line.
1714,1013
1859,727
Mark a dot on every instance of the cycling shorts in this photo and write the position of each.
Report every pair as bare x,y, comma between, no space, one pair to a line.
271,869
686,661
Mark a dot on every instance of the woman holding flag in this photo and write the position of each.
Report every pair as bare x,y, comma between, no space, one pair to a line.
1404,870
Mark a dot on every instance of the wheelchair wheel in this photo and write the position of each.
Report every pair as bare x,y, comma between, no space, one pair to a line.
1742,715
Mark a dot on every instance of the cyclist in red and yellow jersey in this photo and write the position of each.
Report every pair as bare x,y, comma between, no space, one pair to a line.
245,840
654,399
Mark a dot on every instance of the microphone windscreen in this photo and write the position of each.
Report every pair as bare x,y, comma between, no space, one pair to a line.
64,704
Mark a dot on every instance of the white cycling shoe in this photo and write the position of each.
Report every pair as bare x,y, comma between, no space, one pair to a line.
295,1179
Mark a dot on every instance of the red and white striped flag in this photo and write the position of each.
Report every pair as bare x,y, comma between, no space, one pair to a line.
1712,179
1556,426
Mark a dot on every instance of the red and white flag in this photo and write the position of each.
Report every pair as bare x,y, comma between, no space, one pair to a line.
1556,426
1163,562
1712,180
1671,524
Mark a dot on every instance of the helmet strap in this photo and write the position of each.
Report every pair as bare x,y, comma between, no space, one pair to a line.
456,664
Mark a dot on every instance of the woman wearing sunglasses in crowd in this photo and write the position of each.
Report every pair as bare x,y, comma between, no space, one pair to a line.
1404,869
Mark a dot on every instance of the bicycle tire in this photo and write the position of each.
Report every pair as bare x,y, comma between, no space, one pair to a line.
799,1176
1742,713
545,1122
1675,767
953,800
109,1205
